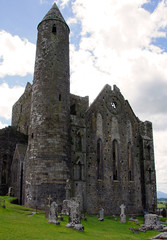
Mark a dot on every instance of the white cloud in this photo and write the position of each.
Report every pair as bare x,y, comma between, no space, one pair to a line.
63,3
17,55
8,96
2,125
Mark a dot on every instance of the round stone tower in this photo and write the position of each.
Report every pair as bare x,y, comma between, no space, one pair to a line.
48,154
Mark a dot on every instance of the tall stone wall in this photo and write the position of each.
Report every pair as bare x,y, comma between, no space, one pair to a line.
78,107
21,111
148,175
113,159
17,171
9,137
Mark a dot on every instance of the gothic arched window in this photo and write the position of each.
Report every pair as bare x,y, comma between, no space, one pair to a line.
99,159
78,168
115,160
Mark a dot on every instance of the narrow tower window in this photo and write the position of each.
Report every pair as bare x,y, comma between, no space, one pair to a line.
130,167
79,142
115,160
59,97
73,109
150,174
21,108
54,29
148,152
99,159
80,171
4,170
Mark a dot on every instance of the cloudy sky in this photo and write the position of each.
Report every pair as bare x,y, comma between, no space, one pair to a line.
122,42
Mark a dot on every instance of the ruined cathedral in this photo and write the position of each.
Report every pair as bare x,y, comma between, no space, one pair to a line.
62,147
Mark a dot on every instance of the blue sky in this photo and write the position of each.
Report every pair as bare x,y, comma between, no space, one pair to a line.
116,42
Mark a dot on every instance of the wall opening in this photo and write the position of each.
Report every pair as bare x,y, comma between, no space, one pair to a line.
79,142
150,174
99,159
73,109
115,160
4,173
54,30
130,163
78,168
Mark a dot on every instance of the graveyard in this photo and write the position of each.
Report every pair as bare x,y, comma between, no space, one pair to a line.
18,222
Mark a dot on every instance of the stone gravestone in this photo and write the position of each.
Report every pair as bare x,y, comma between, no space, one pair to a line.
122,215
10,192
53,218
101,215
47,207
74,215
152,221
161,236
65,209
68,189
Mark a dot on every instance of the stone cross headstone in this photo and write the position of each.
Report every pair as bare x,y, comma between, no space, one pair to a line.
10,192
47,207
74,215
68,189
53,218
122,215
101,215
65,209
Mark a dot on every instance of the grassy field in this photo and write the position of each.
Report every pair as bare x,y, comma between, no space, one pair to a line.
18,223
162,203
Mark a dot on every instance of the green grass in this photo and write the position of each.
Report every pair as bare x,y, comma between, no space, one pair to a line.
162,203
17,223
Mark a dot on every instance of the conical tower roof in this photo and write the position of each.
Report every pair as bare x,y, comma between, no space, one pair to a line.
54,13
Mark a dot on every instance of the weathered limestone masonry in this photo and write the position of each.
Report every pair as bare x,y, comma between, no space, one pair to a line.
102,155
21,111
9,137
114,158
48,153
17,170
79,105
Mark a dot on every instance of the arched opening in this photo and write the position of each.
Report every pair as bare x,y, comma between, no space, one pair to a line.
73,109
54,30
4,170
79,171
99,159
150,175
115,160
78,167
148,152
130,163
79,142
